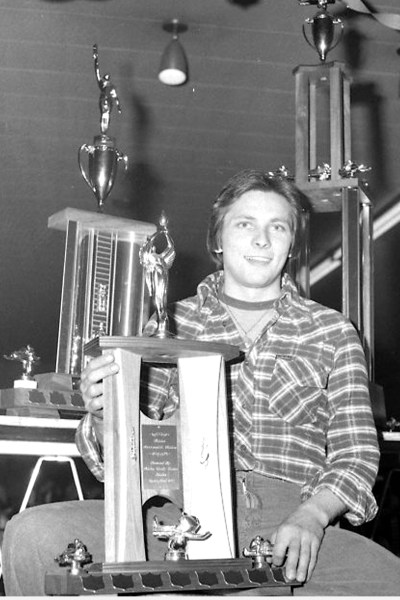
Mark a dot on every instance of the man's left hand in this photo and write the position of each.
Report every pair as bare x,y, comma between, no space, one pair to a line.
298,538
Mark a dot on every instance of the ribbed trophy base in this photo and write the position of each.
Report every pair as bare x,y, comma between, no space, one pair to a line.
205,576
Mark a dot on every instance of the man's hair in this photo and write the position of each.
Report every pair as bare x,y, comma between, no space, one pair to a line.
246,181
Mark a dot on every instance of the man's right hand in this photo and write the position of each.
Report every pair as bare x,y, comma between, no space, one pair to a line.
91,384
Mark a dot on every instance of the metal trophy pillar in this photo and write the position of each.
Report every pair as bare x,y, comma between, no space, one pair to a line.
329,178
103,291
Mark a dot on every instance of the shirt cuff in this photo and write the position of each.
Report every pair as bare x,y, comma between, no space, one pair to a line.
89,446
357,497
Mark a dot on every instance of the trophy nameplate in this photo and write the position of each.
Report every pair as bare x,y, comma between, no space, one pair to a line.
103,291
160,457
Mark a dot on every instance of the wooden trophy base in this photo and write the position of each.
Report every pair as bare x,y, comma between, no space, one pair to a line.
188,461
201,576
185,458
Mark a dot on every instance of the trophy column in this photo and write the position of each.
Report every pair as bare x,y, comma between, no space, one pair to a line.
185,458
323,133
103,290
206,473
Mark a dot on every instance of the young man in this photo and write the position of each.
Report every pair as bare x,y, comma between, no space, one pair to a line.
305,447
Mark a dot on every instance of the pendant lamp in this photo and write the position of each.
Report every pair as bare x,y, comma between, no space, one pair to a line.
174,66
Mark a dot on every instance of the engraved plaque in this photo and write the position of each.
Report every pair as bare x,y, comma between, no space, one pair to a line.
160,467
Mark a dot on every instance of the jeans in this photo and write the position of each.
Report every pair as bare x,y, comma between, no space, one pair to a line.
348,564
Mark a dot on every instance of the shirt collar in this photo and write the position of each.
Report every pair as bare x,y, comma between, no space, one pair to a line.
291,297
208,289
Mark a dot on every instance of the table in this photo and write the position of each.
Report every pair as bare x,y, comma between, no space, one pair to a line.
37,436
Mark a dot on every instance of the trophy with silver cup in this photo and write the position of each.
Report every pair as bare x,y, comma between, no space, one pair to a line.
324,34
101,166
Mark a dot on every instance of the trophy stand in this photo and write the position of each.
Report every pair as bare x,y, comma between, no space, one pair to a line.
323,96
185,459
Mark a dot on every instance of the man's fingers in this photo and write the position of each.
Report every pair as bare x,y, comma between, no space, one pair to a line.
303,563
292,558
313,559
92,377
297,550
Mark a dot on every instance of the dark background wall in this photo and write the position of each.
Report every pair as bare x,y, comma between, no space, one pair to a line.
236,111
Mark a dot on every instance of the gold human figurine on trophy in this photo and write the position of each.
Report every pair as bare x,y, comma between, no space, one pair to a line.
108,93
98,162
156,266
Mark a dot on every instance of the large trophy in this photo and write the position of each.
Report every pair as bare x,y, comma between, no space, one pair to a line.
102,156
328,175
185,459
103,289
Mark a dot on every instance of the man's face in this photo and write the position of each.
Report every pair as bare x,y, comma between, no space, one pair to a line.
256,237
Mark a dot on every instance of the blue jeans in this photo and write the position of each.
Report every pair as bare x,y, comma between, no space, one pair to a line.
348,564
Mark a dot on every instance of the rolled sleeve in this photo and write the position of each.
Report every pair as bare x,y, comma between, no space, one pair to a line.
89,446
352,447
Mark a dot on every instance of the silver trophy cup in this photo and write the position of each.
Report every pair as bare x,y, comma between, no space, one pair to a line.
324,33
101,166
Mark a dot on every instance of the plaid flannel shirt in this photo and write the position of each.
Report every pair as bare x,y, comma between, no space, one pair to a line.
299,401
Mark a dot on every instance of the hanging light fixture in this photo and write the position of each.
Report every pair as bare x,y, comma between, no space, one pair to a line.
174,66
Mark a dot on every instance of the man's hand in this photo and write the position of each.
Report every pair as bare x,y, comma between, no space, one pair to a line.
91,384
298,538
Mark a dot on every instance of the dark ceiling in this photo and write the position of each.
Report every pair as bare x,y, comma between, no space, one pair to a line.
236,111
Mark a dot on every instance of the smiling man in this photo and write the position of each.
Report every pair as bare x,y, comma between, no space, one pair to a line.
304,443
256,238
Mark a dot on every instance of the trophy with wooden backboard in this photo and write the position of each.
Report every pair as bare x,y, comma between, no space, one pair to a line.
184,459
143,456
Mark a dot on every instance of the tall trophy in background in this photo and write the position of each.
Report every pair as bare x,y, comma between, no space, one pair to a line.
103,291
101,167
103,287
